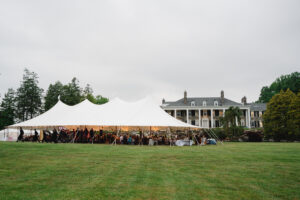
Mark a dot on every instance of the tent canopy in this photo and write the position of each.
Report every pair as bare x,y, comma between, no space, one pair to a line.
116,113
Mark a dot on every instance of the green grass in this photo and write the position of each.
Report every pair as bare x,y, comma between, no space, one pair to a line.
84,171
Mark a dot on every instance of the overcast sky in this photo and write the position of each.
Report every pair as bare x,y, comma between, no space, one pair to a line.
132,49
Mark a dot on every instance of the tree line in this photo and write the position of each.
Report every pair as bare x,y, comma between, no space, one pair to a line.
284,82
29,101
281,120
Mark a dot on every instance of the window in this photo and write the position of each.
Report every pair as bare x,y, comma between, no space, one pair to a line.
242,122
193,103
204,103
205,123
217,123
217,113
216,103
204,113
192,113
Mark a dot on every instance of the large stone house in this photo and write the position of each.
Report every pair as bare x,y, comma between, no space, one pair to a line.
205,112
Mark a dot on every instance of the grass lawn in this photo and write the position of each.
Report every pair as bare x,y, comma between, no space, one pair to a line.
85,171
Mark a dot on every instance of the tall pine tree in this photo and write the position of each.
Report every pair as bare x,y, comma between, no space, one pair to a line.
7,109
72,93
28,96
52,94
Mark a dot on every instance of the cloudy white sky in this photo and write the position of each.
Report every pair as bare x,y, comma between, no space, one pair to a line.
132,49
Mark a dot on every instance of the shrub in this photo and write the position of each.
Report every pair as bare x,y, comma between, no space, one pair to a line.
220,132
254,135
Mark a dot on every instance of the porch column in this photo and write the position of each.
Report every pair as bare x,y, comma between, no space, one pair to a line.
249,118
175,114
211,118
199,117
187,115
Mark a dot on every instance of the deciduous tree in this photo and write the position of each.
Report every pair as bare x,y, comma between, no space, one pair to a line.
294,118
290,81
276,116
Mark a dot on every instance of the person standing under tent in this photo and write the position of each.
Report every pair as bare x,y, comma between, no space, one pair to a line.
76,136
80,135
85,135
92,134
129,140
88,136
125,139
20,138
101,136
203,140
44,136
36,136
54,136
41,135
121,139
73,134
132,140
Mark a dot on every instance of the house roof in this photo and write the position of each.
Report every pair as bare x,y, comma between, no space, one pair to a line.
199,102
258,106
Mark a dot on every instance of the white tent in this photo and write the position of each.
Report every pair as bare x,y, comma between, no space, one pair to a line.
116,113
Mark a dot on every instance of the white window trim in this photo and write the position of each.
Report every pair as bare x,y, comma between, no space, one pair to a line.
193,103
216,103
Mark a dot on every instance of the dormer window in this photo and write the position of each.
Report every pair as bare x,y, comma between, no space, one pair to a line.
193,103
204,103
216,103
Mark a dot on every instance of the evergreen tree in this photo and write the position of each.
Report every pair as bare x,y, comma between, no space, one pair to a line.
72,93
52,94
7,109
290,81
28,96
276,116
294,118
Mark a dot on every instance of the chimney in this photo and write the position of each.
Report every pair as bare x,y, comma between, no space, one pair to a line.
244,100
222,97
163,101
185,97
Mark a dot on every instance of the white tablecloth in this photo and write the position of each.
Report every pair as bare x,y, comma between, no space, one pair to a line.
184,143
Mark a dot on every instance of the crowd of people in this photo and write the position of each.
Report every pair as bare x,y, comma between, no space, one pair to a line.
105,137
